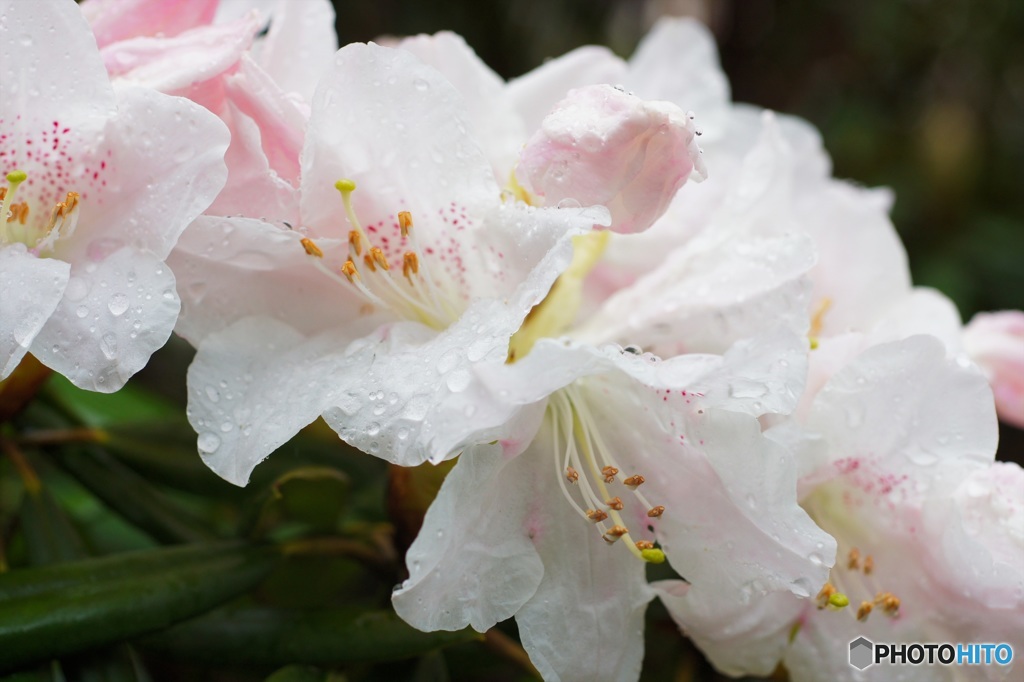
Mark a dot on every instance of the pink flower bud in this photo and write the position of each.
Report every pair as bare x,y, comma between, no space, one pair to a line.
602,145
996,342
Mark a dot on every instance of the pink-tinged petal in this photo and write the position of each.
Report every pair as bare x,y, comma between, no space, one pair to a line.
243,384
174,64
41,84
231,268
533,94
281,122
677,61
299,45
996,342
884,421
32,288
602,145
115,313
744,639
159,165
496,125
114,20
474,562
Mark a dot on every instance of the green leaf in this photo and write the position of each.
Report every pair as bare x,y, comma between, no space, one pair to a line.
259,635
49,534
315,497
131,403
106,607
298,673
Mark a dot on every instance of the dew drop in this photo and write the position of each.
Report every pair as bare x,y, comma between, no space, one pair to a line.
118,304
208,442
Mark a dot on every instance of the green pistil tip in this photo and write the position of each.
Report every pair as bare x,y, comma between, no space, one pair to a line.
345,185
814,342
839,600
16,176
654,556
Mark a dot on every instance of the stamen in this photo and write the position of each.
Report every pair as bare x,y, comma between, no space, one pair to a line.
14,179
311,248
405,222
572,475
864,611
596,515
827,590
615,503
869,565
644,544
356,242
656,512
614,533
634,481
410,265
379,259
609,473
853,560
349,270
368,260
889,602
818,318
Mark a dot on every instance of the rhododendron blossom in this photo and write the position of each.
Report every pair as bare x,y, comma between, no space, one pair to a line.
996,342
100,182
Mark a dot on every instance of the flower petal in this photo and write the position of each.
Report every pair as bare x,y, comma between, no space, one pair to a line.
114,20
299,45
995,341
474,562
32,290
115,313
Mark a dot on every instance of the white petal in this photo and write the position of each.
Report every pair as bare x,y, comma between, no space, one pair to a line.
299,45
163,164
496,125
921,311
533,94
474,562
32,290
678,61
114,20
746,639
114,315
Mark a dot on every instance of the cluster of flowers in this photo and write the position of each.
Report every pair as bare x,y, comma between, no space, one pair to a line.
442,264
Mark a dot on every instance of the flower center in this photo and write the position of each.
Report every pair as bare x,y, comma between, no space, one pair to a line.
593,483
857,576
15,226
367,271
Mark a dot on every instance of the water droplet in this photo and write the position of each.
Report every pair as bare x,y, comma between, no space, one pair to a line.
108,345
208,442
447,361
118,304
421,84
82,311
213,394
459,380
373,429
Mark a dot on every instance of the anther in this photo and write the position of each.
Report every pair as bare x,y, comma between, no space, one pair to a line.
853,560
405,222
18,212
311,248
609,473
572,475
864,611
634,481
644,544
614,533
869,565
614,503
356,242
368,259
889,602
596,515
349,270
410,265
825,594
656,512
378,258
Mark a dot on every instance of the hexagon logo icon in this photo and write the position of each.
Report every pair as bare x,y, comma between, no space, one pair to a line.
861,653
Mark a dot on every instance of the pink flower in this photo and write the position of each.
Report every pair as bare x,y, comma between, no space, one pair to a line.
100,184
996,342
602,145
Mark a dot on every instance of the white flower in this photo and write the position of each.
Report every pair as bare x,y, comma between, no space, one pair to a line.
996,342
100,184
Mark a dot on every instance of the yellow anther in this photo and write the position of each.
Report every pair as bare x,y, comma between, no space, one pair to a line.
596,515
614,503
656,512
378,257
853,559
838,601
345,185
864,611
653,556
824,595
889,602
869,565
405,222
349,270
634,481
19,213
410,265
818,318
72,200
311,248
614,533
644,544
356,242
572,475
609,473
368,259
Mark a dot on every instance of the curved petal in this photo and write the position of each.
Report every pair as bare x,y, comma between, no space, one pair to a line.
156,179
994,341
299,45
921,311
533,94
677,61
115,313
32,288
474,561
496,125
231,268
114,20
